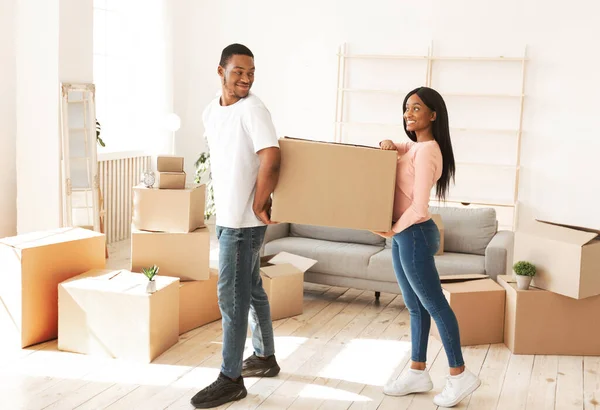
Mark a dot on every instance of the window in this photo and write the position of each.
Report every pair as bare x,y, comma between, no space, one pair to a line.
130,73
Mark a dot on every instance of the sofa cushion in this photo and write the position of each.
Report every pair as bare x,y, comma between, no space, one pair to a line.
381,268
467,230
334,258
336,234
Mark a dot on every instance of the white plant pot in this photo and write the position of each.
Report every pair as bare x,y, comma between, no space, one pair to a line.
523,282
151,286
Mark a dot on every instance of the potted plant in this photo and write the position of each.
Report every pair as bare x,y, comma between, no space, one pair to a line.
524,272
203,170
150,274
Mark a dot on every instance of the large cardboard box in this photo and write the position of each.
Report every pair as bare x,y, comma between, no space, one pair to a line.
567,258
169,210
478,303
440,224
541,322
337,185
182,255
111,313
198,303
171,180
283,280
32,266
169,163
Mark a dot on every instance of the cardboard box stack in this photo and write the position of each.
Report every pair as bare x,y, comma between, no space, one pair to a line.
556,315
168,231
33,265
170,172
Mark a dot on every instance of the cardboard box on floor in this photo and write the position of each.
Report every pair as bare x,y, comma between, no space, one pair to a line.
110,313
541,322
567,258
182,255
478,303
338,185
440,224
283,280
171,180
32,267
169,163
169,210
198,303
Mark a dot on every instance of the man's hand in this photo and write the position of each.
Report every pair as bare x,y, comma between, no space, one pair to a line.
265,214
268,175
387,234
388,145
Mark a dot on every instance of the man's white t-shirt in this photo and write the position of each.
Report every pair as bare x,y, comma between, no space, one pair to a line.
235,134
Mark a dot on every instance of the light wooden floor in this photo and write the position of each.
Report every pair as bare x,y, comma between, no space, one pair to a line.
337,355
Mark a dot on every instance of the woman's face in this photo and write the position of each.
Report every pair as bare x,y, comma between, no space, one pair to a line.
417,115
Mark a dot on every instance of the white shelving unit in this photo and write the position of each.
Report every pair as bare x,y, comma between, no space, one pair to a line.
506,205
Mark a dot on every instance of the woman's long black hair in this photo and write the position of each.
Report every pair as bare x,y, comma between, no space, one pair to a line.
441,133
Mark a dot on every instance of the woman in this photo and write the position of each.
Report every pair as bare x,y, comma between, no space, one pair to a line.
426,161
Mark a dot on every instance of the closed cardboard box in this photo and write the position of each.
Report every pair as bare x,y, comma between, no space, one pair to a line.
440,224
182,255
169,163
169,210
32,267
478,303
111,313
567,258
171,180
541,322
337,185
283,280
198,303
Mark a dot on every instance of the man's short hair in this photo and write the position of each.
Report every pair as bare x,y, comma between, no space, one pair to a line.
232,50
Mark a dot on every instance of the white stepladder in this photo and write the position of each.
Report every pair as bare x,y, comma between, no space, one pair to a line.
79,163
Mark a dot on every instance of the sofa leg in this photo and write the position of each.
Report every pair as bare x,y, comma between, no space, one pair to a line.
377,294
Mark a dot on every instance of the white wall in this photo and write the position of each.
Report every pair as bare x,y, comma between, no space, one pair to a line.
8,176
295,46
54,41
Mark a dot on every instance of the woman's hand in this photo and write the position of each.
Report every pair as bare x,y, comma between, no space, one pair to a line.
388,145
387,234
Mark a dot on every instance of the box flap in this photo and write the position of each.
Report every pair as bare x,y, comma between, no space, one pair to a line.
44,238
462,278
276,271
301,263
303,140
561,233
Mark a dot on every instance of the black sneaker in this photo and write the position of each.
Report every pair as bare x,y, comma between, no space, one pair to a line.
254,366
221,391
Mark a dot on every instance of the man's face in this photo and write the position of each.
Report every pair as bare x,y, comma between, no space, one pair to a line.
237,76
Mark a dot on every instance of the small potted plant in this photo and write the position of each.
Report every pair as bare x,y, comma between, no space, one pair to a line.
524,271
150,274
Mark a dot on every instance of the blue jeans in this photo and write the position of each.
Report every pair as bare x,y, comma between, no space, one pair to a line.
241,294
412,256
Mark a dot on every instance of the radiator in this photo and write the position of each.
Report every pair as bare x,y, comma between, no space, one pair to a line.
118,175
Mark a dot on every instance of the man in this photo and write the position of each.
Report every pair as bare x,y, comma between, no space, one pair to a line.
245,158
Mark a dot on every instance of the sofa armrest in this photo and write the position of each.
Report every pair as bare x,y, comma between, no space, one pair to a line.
499,254
276,231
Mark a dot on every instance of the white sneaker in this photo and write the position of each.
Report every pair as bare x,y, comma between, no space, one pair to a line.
456,389
412,381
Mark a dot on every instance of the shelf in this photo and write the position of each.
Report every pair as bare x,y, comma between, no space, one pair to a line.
435,58
459,129
475,202
444,94
383,57
481,165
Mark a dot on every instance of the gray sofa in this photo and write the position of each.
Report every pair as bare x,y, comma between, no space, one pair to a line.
363,260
